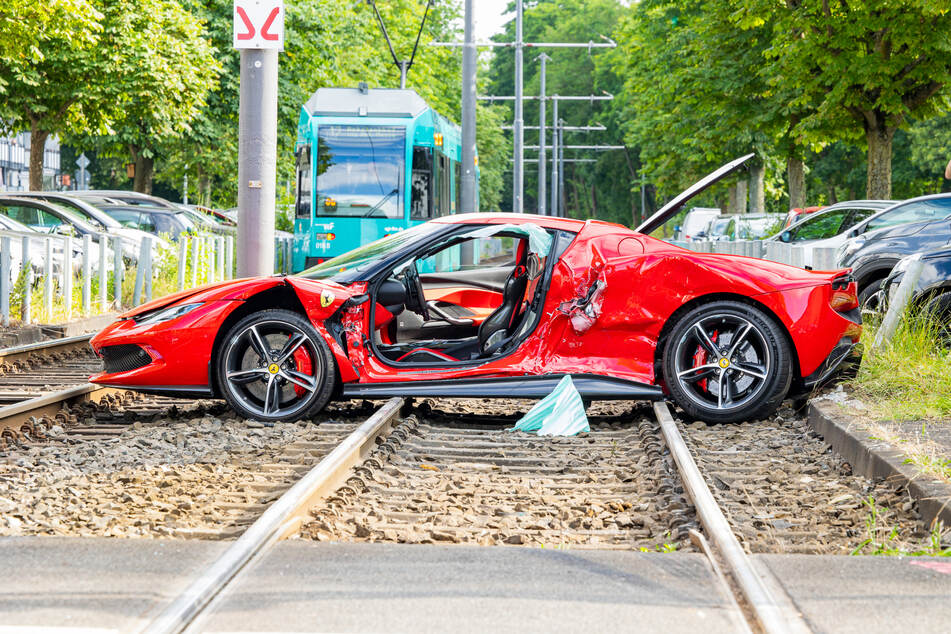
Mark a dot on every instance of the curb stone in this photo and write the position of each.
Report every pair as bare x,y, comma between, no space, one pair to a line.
874,458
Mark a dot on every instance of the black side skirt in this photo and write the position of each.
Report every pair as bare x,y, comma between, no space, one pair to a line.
590,386
175,391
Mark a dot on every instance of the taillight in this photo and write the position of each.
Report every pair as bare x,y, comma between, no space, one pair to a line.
844,294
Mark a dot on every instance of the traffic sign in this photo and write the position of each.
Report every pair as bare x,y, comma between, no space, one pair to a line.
259,24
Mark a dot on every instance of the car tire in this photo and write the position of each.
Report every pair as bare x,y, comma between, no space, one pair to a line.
726,362
274,366
938,308
870,301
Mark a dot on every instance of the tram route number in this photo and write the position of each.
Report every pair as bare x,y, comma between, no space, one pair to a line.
259,24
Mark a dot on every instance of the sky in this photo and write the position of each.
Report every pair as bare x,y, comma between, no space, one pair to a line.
489,17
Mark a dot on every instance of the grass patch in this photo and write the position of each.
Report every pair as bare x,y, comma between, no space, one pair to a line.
881,539
908,378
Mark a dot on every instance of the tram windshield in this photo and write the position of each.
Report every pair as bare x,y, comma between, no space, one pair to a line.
360,171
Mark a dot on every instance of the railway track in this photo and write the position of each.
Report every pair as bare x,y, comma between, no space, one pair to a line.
133,465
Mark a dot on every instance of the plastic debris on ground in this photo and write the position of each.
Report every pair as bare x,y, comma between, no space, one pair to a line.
561,413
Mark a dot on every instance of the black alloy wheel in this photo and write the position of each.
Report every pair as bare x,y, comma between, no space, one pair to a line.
275,366
726,362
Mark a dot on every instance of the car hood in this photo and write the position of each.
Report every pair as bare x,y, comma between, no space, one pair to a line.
227,290
668,211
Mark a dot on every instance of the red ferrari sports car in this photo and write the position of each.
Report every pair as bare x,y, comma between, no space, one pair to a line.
498,305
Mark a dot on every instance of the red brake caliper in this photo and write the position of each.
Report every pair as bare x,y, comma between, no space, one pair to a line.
700,358
303,364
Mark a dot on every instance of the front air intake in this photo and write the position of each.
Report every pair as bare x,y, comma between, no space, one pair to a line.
124,357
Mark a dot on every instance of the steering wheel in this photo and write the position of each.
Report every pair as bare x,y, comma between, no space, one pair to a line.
415,299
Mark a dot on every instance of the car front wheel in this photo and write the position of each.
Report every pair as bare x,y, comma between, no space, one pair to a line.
726,362
275,366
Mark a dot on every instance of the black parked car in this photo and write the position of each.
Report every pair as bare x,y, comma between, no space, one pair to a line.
877,244
932,294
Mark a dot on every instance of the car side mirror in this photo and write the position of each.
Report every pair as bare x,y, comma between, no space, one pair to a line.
785,236
677,228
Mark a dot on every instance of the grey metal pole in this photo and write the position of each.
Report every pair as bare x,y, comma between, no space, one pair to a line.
518,175
257,161
404,66
182,260
469,113
541,136
118,270
103,272
553,209
48,281
87,274
6,246
28,277
196,243
144,247
561,171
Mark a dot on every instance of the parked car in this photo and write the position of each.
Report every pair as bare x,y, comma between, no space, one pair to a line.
403,316
718,228
878,243
152,220
695,223
932,293
829,228
198,216
751,226
798,213
16,231
131,238
47,217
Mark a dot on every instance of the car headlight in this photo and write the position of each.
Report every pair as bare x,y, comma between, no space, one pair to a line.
166,314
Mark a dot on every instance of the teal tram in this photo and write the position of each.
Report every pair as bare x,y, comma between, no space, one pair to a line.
370,162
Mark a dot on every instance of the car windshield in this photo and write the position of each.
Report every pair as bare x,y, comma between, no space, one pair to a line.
100,219
718,227
915,211
345,267
360,170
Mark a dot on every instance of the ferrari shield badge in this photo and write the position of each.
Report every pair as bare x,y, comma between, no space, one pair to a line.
326,299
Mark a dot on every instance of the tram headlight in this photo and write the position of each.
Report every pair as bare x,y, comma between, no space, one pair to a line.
437,139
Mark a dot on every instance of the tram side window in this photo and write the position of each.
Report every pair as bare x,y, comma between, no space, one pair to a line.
443,186
421,205
304,182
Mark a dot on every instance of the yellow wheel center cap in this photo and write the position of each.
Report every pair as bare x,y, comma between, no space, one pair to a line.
724,363
273,368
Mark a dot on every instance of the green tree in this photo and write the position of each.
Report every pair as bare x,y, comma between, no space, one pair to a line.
50,76
162,69
494,150
864,68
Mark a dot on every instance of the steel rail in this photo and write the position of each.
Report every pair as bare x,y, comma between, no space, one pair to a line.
21,353
768,611
13,416
280,519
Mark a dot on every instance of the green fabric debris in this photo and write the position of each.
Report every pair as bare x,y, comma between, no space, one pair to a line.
561,413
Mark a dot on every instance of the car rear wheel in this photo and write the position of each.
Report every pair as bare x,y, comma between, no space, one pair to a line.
871,301
275,366
726,362
938,309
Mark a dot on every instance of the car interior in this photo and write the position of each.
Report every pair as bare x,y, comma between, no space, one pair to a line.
471,297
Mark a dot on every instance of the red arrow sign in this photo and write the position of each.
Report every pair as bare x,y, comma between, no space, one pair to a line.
259,24
249,33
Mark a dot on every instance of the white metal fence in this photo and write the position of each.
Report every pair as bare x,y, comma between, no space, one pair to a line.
818,258
67,281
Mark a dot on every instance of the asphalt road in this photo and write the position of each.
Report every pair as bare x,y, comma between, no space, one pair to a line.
116,584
